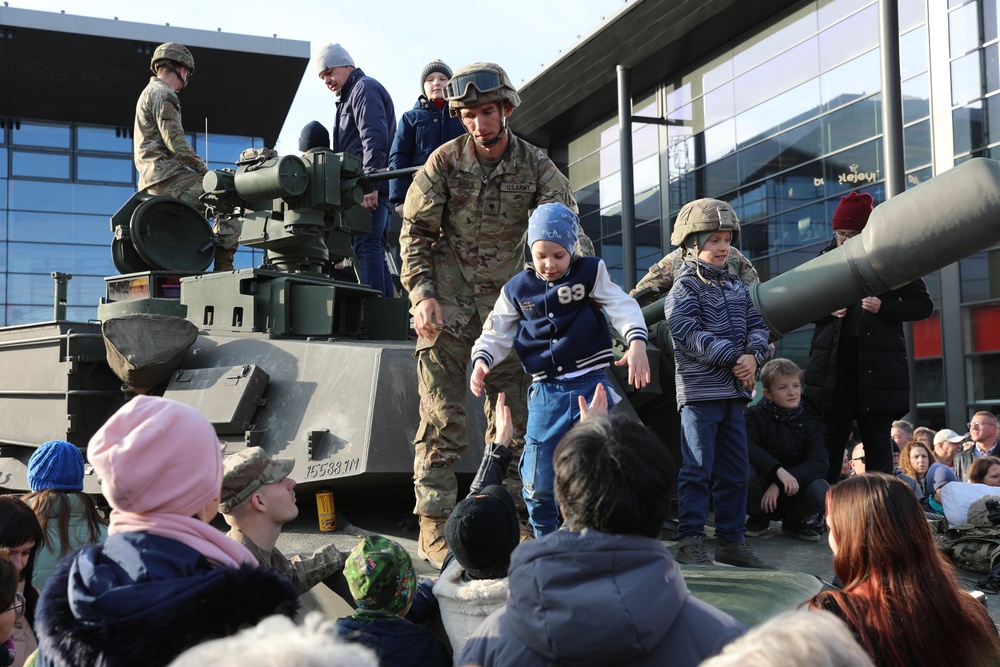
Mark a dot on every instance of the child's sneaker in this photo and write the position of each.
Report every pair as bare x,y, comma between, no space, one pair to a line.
739,554
799,529
757,526
691,551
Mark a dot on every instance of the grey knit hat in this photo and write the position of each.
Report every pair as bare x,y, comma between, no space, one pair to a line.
332,55
433,66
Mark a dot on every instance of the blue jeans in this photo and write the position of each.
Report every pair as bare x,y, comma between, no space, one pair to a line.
373,270
714,451
552,410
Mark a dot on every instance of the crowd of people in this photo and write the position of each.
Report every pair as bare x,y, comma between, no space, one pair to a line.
154,583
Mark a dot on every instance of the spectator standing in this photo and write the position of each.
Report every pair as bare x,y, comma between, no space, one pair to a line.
68,517
719,340
946,445
983,434
464,225
606,591
788,459
422,129
901,432
924,435
857,358
899,596
165,579
365,125
858,460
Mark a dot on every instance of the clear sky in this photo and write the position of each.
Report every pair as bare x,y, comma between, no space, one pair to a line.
391,40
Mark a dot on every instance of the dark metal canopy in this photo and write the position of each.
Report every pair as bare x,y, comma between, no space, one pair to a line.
657,39
76,69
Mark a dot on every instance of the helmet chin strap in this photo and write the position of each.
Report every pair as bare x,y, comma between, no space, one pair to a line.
503,130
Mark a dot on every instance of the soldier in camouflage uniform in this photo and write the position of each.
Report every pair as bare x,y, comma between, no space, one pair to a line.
167,164
661,275
463,236
258,498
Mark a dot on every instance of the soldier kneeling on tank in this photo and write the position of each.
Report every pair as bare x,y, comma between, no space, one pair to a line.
258,498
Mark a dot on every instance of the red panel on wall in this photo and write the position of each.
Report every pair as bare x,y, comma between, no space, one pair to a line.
986,328
927,337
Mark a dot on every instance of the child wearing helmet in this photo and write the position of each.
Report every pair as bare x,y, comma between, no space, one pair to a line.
550,314
719,340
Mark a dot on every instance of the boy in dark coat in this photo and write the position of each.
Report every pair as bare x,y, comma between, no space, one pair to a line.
380,574
788,457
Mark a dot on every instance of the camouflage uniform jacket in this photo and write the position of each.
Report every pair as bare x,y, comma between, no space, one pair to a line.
160,148
303,572
464,230
662,274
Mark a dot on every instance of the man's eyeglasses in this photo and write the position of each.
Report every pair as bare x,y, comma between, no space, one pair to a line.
843,236
859,458
18,605
972,424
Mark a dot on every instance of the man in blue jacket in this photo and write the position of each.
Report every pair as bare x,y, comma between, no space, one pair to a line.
365,126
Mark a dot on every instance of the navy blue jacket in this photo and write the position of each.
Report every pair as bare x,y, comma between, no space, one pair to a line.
143,599
421,129
365,123
396,641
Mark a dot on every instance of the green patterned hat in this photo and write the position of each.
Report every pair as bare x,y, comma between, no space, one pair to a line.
380,574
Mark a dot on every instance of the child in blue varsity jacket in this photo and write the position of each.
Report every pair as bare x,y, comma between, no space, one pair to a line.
719,340
551,314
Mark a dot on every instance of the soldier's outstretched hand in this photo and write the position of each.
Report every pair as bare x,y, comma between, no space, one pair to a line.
478,380
638,364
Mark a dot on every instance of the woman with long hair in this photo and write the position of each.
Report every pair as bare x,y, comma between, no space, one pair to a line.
21,534
899,595
69,517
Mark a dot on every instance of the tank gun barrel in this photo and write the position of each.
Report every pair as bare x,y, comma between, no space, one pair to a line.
938,222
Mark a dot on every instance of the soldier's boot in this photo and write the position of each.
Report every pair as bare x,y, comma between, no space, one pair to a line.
223,259
432,545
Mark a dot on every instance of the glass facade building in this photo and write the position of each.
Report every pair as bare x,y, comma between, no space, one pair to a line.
60,183
785,121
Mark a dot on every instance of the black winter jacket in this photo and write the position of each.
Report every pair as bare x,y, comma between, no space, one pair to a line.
883,382
798,446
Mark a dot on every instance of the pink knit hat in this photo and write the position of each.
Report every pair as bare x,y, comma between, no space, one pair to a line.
157,456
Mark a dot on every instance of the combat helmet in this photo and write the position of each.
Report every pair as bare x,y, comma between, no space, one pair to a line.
172,52
479,83
705,215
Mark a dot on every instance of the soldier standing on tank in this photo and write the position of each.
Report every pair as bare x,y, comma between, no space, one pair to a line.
167,164
463,236
661,276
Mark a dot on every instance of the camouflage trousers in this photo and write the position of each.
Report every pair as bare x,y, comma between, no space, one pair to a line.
442,437
187,187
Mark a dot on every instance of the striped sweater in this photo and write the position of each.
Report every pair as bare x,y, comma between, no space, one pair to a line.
712,324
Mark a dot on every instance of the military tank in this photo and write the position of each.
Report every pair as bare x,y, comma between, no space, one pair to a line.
317,369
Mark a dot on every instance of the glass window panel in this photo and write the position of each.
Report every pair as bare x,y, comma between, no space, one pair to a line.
796,187
609,134
849,38
719,104
611,190
38,290
67,197
646,174
913,53
801,144
645,141
688,187
67,227
773,40
983,372
755,238
591,224
992,130
3,163
911,13
917,145
40,165
119,170
104,139
797,257
849,125
759,161
918,177
584,145
647,206
719,140
47,257
684,117
584,172
930,380
717,73
678,97
3,132
791,68
975,277
42,135
992,78
831,11
804,226
967,128
963,29
965,79
225,148
721,176
858,166
680,150
778,113
850,81
611,221
3,194
588,198
610,156
916,98
3,229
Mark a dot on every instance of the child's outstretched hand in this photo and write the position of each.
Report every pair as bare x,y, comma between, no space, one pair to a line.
502,421
638,364
597,408
478,380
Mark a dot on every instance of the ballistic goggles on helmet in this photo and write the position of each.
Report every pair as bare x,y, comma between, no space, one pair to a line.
483,81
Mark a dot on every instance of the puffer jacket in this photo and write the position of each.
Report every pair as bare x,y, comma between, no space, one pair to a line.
366,123
421,129
883,381
797,445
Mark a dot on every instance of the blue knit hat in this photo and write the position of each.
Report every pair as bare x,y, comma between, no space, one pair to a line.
556,223
56,465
